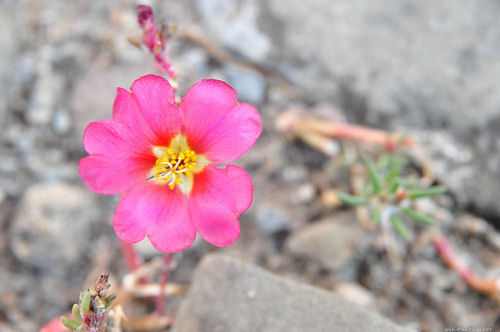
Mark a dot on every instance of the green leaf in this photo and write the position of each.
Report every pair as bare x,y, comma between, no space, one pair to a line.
76,312
410,184
418,216
373,174
399,160
69,323
394,188
383,161
109,299
377,215
351,200
392,176
85,301
399,226
426,192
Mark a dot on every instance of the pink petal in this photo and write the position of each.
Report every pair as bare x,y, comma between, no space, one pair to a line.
218,197
153,88
158,212
105,175
149,109
216,124
118,160
233,135
216,224
230,186
112,138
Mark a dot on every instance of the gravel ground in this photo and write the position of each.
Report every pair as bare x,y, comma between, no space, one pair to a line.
61,64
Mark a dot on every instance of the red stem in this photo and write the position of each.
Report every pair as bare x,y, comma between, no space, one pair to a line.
482,285
165,274
299,125
130,256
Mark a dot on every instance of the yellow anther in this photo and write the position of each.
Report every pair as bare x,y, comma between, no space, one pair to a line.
174,166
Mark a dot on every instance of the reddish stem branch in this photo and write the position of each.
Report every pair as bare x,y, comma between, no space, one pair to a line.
298,126
482,285
130,256
165,274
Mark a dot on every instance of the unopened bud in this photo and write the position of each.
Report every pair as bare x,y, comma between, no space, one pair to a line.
85,301
76,313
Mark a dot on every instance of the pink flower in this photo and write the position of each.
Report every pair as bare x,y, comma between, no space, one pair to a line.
162,157
155,40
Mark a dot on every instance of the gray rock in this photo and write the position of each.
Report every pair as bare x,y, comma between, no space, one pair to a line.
193,61
304,194
62,121
332,242
227,295
249,84
271,220
7,54
52,225
93,96
402,56
235,24
295,174
466,168
47,93
478,228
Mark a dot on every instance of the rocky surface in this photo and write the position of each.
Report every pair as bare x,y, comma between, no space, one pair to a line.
229,295
423,68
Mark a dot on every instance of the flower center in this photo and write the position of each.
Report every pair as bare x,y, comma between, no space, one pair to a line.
171,166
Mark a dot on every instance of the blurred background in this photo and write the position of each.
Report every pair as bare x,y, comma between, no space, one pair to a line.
426,69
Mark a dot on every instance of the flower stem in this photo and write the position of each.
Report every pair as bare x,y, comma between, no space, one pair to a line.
165,274
130,255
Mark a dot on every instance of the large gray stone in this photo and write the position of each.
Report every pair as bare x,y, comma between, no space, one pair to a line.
227,295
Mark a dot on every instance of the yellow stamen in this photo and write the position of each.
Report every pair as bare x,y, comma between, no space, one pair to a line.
174,168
